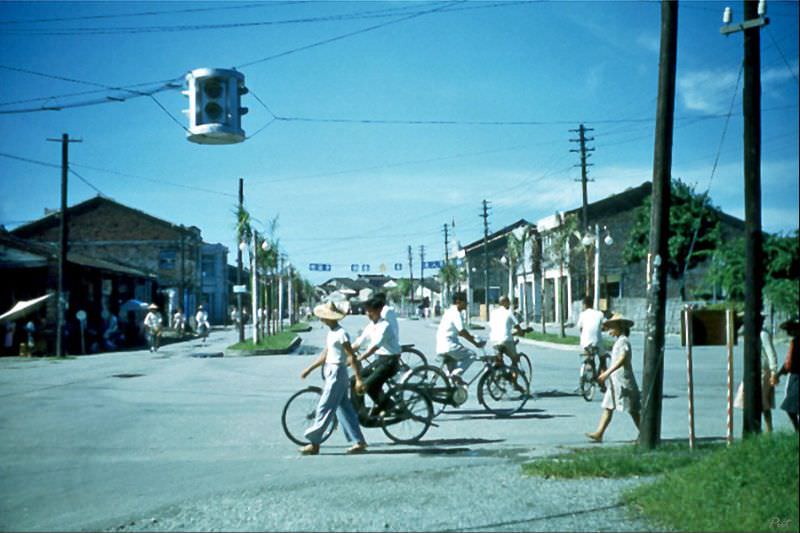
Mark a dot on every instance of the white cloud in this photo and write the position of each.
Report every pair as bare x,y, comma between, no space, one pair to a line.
710,91
707,91
649,42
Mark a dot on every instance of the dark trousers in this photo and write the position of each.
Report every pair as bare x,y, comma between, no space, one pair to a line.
376,374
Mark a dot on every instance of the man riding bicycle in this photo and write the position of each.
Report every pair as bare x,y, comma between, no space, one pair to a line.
457,357
503,325
590,324
383,342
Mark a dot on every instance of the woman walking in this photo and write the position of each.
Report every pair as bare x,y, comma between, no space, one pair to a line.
622,394
335,393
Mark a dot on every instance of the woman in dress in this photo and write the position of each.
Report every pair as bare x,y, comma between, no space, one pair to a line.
622,394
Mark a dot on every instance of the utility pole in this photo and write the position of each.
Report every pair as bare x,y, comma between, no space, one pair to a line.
653,375
485,216
446,295
411,275
754,19
421,273
63,243
280,293
239,308
254,291
585,154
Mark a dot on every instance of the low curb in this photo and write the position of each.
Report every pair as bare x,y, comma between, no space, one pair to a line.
551,345
245,353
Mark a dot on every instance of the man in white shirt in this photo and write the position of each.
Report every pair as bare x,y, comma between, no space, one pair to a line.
456,356
382,341
503,325
590,324
152,326
389,314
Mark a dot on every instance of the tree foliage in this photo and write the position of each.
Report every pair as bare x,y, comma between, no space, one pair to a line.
687,209
781,270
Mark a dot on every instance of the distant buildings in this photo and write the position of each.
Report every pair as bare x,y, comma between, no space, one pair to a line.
133,255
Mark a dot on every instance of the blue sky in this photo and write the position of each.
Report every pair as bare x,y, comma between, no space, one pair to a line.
362,192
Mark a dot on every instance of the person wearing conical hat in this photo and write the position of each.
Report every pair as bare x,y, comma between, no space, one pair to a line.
338,353
152,326
622,392
791,366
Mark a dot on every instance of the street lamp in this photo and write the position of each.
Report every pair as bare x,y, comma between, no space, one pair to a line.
608,240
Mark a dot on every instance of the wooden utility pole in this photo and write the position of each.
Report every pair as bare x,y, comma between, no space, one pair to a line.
63,243
411,276
239,308
421,273
446,295
485,216
653,375
585,154
753,249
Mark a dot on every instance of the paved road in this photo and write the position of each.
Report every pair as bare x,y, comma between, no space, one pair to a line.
178,440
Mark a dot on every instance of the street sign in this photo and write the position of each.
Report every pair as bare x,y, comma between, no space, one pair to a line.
432,264
239,289
398,266
354,268
319,267
364,268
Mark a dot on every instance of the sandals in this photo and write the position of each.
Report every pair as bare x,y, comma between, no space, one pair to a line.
310,449
359,447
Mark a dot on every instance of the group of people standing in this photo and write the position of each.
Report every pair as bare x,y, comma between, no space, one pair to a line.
153,324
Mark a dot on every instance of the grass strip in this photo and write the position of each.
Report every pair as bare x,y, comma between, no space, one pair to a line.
279,341
617,461
751,486
552,337
300,326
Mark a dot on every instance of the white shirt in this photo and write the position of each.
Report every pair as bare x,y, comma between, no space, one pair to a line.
152,320
447,335
334,344
390,315
380,334
589,323
201,317
501,325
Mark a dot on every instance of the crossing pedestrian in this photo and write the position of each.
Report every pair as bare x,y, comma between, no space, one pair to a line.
338,353
622,393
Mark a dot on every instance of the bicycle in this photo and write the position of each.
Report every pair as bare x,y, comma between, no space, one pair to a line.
588,372
502,390
523,362
405,420
410,358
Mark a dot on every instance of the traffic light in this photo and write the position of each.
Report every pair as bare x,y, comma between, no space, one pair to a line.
215,112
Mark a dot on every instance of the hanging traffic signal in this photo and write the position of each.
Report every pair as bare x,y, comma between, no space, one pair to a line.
215,112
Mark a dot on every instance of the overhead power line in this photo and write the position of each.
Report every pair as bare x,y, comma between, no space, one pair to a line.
146,13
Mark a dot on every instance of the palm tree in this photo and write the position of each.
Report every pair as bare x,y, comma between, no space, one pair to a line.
514,252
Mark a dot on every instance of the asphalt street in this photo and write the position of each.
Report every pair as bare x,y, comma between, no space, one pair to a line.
185,440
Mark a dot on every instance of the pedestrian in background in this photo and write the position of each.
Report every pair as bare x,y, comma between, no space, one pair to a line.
152,326
201,318
791,366
769,366
336,391
622,393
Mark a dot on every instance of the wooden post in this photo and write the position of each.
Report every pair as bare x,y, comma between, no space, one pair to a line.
731,331
689,338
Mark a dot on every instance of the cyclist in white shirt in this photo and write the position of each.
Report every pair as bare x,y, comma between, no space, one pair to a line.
456,356
389,314
203,327
382,341
590,324
503,325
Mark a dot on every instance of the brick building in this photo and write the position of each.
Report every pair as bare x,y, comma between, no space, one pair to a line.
29,269
105,229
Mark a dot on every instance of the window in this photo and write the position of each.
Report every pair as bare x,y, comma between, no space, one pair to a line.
166,260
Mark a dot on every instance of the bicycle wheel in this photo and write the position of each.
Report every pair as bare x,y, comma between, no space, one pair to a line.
411,358
586,382
409,417
299,414
524,365
503,391
433,381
